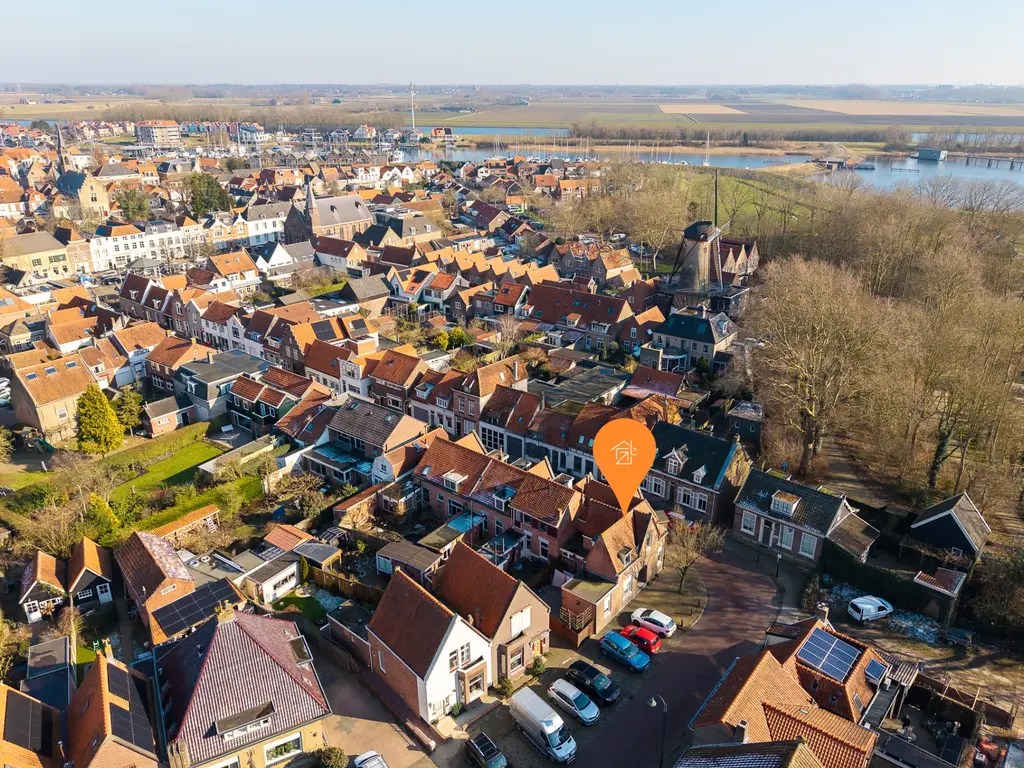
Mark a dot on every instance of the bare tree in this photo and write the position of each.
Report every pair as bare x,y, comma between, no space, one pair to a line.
509,332
686,544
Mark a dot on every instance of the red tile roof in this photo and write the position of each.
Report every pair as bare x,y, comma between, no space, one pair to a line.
411,622
475,588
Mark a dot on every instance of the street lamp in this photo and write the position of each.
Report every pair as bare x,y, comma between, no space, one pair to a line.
778,565
653,703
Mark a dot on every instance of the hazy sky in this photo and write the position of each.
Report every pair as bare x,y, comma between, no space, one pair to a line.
529,41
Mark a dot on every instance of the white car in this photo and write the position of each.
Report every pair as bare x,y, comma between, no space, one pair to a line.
370,760
656,621
574,701
864,609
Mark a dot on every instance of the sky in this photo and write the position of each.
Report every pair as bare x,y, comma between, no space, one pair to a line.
651,42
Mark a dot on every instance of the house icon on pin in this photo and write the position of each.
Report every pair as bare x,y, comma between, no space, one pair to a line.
624,453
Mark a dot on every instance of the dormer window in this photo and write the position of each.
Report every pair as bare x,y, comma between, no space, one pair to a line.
698,476
673,466
452,480
784,503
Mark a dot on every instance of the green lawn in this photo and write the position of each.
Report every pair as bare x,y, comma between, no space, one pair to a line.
250,488
19,480
175,470
84,655
310,608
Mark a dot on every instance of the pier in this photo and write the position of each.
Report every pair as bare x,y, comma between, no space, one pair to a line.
1014,162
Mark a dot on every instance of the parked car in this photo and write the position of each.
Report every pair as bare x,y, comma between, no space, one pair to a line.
574,701
111,280
644,639
370,760
659,623
593,682
619,648
484,753
542,725
864,609
953,637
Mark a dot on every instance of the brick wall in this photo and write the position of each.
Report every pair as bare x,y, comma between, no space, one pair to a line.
398,677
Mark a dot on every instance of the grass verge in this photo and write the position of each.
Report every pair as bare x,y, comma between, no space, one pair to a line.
178,469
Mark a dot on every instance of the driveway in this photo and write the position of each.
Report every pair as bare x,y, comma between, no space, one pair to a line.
741,604
361,723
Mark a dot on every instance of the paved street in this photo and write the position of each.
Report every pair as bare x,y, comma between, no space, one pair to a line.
741,604
361,723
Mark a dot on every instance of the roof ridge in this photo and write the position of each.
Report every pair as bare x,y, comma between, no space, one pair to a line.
807,709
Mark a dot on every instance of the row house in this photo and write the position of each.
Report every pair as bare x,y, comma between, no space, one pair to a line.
471,395
590,321
505,420
343,257
431,399
695,474
215,328
482,216
115,245
145,298
439,291
263,334
534,510
264,223
207,382
238,269
224,231
257,400
164,360
610,554
189,305
461,303
78,251
393,378
341,369
505,299
408,285
359,334
136,342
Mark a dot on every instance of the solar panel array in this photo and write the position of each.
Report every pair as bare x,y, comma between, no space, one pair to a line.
828,654
28,724
323,330
875,670
117,681
195,608
132,726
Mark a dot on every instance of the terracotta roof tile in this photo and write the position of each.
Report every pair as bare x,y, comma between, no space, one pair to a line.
88,555
286,537
398,368
472,586
411,622
56,379
175,351
140,336
45,569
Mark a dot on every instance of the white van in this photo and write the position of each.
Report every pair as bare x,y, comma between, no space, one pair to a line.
543,726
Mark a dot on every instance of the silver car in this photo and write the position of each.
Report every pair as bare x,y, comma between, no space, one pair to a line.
574,701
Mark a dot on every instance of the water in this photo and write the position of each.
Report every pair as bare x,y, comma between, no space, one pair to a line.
890,171
490,130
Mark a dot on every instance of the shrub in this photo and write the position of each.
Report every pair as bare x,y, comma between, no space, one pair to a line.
331,757
538,666
360,547
456,709
506,687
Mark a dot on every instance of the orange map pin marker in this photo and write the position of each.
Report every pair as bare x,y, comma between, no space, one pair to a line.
624,451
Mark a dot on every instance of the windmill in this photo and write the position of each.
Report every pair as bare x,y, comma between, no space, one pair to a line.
412,105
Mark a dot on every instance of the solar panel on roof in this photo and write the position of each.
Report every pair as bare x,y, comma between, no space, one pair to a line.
28,724
875,670
117,681
829,654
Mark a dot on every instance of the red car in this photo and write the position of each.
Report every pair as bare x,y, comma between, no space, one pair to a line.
642,638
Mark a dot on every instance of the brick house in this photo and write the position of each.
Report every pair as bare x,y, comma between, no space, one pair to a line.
167,414
153,575
686,337
699,473
471,395
504,609
793,520
611,555
165,358
428,655
592,321
392,379
505,420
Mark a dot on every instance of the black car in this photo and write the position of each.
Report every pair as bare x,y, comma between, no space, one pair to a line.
483,752
592,681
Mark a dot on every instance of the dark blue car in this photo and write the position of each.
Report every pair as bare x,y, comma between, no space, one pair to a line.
619,648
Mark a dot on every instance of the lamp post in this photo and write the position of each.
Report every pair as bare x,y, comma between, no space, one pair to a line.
778,565
653,703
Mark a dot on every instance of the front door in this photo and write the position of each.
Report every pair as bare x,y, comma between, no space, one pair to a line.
103,592
184,418
766,533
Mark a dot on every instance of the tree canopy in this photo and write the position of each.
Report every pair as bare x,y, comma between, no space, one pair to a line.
99,431
203,194
134,204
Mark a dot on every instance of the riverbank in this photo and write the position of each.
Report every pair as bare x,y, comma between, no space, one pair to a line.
568,146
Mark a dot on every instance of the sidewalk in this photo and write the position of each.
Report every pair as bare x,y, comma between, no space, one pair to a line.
789,580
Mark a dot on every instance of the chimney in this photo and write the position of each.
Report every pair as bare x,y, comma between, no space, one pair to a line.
470,620
821,611
741,732
107,650
225,613
209,356
515,369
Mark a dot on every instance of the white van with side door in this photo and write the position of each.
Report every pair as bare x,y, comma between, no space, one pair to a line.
543,726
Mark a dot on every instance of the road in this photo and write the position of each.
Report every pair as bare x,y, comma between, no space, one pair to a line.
740,607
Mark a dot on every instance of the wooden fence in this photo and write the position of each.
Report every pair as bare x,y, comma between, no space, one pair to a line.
356,590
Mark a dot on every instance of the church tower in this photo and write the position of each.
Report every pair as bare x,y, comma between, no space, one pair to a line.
312,212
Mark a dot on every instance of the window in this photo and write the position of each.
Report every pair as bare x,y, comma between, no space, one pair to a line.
520,621
464,655
282,750
632,331
380,662
516,660
168,590
62,414
453,660
85,594
787,538
627,586
700,502
808,544
749,522
673,466
499,527
543,547
607,607
653,485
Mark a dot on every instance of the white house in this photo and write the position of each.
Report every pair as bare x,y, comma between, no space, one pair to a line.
429,656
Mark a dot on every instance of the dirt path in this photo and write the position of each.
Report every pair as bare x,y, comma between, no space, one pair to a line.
843,475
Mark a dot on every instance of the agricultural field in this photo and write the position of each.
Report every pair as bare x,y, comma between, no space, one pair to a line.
699,108
908,108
